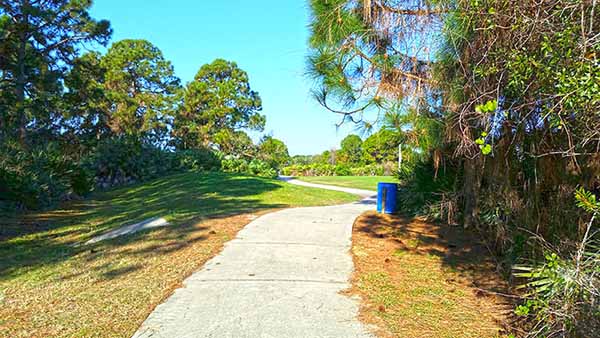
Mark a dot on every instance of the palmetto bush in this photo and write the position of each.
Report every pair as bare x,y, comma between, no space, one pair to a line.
38,177
563,298
121,160
429,191
314,169
198,159
261,168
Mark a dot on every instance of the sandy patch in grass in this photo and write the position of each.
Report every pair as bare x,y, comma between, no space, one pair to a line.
417,279
108,289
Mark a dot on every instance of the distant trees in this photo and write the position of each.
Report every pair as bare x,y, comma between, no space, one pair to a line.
303,159
216,105
381,147
273,151
351,149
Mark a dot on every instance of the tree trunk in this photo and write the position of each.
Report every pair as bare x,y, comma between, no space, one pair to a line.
471,188
21,80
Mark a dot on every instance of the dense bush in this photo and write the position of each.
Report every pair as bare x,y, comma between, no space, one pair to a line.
564,290
342,170
243,166
428,191
120,161
197,159
314,169
368,170
40,176
320,169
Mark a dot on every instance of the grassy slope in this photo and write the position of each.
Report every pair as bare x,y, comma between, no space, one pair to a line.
358,182
49,286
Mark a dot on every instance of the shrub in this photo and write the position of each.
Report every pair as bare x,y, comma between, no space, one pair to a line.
564,290
39,177
254,167
118,161
234,165
367,170
427,191
261,168
320,169
342,170
198,159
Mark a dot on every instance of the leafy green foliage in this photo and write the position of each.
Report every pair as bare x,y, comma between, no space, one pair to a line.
351,150
236,143
252,167
376,156
323,169
123,160
40,40
430,192
485,147
274,152
217,104
303,159
87,107
488,107
564,291
381,147
141,87
40,177
587,201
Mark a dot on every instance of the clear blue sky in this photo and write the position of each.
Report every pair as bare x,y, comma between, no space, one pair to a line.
267,38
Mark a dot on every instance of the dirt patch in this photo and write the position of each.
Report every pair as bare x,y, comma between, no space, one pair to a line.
108,289
419,279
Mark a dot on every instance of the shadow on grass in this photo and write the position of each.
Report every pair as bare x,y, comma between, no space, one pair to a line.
458,250
52,237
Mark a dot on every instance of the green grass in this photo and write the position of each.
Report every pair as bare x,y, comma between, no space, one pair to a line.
51,285
357,182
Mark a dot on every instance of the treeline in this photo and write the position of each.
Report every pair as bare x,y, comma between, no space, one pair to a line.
502,101
377,155
71,121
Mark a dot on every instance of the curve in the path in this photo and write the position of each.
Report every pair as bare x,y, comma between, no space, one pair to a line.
280,277
359,192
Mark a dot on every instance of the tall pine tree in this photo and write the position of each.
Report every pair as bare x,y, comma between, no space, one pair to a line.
39,41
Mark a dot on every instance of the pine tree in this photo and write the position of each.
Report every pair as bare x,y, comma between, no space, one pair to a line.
216,104
141,89
39,41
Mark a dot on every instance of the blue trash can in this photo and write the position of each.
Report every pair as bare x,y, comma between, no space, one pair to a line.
386,197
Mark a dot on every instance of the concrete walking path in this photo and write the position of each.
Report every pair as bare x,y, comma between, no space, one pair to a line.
358,192
280,277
